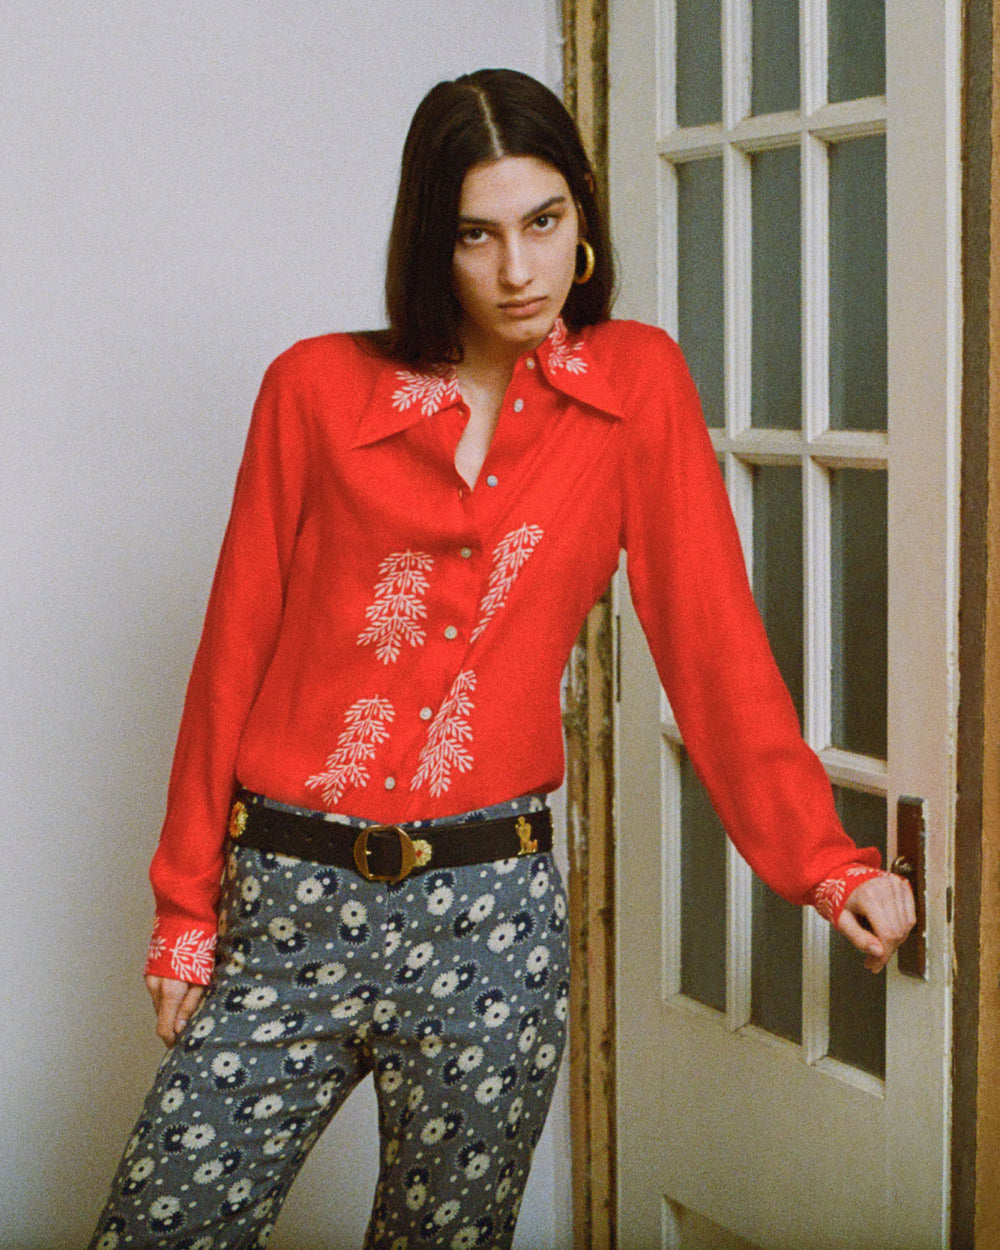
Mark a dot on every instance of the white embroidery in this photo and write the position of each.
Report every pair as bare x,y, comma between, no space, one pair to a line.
446,748
192,956
565,353
509,557
157,946
830,895
365,722
430,390
398,605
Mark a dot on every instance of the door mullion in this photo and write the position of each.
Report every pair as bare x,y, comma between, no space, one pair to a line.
738,283
813,54
815,289
669,260
818,593
815,986
737,25
739,912
670,863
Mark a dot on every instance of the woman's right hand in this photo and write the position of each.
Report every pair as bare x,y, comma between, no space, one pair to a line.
174,1002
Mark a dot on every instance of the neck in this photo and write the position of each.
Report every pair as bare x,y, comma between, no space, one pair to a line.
491,363
490,373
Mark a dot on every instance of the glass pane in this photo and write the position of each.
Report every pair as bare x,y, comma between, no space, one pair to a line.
858,344
699,62
777,567
775,56
700,286
856,48
776,967
859,566
703,894
857,999
776,369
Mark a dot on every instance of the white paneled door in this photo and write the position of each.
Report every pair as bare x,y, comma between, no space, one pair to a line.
785,201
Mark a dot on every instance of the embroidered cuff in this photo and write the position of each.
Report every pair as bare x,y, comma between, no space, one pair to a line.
182,951
830,895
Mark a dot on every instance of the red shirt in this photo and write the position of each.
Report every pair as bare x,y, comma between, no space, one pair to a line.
383,640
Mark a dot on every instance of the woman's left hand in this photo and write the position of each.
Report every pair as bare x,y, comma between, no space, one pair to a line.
886,904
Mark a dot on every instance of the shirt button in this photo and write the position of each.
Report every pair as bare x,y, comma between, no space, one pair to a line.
426,713
451,632
530,362
390,783
492,480
518,405
466,553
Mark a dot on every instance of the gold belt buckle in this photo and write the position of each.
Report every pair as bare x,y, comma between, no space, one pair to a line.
407,853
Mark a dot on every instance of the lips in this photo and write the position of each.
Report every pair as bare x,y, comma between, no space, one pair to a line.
524,309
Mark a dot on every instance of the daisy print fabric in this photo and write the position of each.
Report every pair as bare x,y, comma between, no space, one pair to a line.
449,988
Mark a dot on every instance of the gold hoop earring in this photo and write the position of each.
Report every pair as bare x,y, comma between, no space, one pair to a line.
588,263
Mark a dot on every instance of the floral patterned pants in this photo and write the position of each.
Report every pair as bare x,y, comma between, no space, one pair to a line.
450,988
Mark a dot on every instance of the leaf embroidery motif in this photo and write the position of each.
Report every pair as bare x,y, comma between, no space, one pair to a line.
509,557
430,390
398,605
447,747
830,895
565,353
157,945
365,729
192,956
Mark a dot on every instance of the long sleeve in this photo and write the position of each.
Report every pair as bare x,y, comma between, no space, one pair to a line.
689,585
238,639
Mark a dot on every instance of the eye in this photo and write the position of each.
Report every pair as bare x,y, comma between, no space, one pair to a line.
546,221
471,235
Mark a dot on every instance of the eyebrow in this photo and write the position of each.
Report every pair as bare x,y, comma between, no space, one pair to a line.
551,202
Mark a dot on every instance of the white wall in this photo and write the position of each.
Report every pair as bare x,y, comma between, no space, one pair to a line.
187,187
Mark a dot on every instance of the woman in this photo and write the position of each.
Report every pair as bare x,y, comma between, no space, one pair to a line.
422,520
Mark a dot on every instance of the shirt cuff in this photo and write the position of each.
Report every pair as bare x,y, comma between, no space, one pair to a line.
182,951
830,895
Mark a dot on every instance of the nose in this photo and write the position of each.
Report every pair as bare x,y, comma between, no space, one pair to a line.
515,270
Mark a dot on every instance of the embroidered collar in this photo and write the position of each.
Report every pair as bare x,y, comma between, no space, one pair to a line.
402,397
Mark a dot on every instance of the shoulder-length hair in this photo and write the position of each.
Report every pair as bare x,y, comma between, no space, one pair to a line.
478,117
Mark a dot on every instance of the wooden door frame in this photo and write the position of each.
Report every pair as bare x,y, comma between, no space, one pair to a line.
976,1044
590,798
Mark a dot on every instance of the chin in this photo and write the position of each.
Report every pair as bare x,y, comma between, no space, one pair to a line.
533,331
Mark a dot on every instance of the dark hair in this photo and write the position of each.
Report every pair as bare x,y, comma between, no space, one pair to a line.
479,117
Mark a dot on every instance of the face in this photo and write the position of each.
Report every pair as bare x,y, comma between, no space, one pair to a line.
515,253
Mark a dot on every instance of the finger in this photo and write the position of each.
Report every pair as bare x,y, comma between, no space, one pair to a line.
155,987
864,939
194,995
909,902
172,995
886,903
892,912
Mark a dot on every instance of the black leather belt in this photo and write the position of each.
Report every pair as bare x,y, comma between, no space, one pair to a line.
386,852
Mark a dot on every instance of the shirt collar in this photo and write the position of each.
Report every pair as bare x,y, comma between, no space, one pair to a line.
402,397
569,365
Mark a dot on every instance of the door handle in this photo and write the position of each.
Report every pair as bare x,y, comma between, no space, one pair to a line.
911,863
